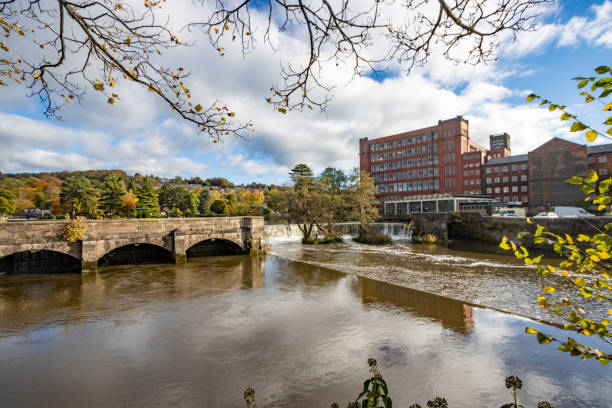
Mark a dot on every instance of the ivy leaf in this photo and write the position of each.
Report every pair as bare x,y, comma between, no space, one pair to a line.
602,69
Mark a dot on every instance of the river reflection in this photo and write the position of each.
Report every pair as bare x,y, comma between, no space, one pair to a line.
196,335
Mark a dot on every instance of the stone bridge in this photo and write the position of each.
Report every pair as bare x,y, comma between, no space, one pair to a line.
175,237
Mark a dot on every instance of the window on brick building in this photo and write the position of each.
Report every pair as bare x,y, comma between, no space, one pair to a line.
525,199
506,189
497,190
515,189
488,171
496,169
524,177
506,199
515,199
602,159
523,166
489,190
505,179
514,167
505,169
603,172
497,179
514,178
523,188
489,180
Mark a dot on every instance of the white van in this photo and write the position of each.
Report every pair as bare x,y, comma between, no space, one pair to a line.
573,212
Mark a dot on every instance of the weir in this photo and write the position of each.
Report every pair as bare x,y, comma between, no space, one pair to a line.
34,246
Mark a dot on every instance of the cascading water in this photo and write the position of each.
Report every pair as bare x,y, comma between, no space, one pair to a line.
397,231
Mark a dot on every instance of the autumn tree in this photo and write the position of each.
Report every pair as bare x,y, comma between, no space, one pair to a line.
363,200
128,203
111,195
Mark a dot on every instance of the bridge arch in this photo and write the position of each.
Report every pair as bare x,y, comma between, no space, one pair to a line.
136,253
34,261
214,246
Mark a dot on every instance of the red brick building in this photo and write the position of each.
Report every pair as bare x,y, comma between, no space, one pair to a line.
507,178
424,161
442,159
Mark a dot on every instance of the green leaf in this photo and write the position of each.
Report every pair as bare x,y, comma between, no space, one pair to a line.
602,69
582,83
591,135
577,127
575,180
531,97
552,107
608,121
566,116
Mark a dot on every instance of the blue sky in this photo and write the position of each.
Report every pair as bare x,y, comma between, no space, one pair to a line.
140,135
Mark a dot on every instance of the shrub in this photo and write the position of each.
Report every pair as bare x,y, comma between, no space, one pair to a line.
74,230
425,239
372,238
60,217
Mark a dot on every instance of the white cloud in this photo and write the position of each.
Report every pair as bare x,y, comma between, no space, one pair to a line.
140,134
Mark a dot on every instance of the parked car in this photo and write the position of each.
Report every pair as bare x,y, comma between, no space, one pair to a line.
573,212
545,214
509,213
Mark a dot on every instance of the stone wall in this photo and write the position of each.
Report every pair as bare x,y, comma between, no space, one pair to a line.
493,229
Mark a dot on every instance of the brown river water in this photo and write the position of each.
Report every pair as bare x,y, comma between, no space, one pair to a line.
297,326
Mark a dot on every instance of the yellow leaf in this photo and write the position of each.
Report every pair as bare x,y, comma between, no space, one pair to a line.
504,244
530,330
282,110
591,135
548,289
608,107
232,114
216,31
111,101
198,107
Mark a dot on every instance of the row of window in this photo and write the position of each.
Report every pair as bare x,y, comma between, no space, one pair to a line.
505,179
406,141
405,164
410,174
504,169
416,186
515,199
411,151
470,164
506,189
473,182
472,172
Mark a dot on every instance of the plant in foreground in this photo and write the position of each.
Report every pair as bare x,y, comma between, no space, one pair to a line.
375,391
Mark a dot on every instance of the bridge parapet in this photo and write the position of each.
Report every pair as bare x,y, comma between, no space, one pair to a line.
176,235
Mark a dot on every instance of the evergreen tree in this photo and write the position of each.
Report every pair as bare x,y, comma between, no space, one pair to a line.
79,196
113,190
300,171
148,200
